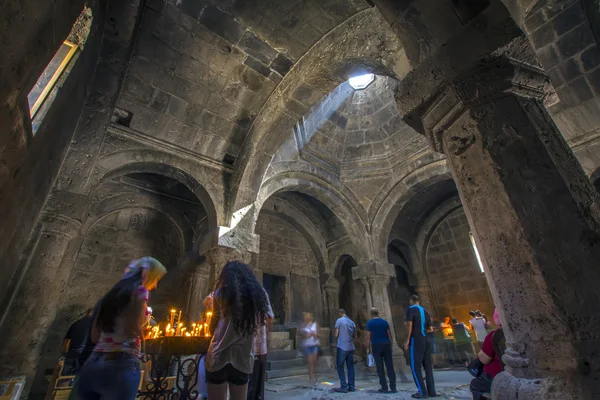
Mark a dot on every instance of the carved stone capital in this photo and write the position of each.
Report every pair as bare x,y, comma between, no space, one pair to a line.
378,281
219,256
491,80
372,268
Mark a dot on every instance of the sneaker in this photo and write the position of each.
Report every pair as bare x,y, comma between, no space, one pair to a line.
340,390
352,390
382,390
393,391
419,396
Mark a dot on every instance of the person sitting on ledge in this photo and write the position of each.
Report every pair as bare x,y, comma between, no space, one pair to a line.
490,355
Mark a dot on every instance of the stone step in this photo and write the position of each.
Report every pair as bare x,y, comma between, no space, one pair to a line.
284,373
277,344
281,355
285,364
278,335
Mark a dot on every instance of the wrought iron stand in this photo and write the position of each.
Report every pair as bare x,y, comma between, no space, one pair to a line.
174,364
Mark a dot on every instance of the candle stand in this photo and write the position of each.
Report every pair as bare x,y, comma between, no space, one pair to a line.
173,373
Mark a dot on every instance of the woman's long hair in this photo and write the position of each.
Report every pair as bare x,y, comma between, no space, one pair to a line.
241,297
115,301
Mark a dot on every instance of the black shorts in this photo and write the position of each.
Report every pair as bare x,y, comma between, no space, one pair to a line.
227,374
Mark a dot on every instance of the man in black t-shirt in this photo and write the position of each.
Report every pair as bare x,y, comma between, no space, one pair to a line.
418,323
74,343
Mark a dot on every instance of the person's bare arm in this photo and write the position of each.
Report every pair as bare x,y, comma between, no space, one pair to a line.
369,341
484,358
408,333
337,333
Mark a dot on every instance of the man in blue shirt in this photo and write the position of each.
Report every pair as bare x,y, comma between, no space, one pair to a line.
418,323
344,332
379,337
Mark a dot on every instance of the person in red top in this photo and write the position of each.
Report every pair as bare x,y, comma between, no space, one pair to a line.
491,360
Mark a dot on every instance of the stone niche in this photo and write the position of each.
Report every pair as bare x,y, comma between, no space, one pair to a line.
457,282
283,249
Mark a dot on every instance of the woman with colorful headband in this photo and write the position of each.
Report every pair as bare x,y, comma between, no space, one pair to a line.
113,370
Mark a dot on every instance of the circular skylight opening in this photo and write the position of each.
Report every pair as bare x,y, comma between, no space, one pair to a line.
361,81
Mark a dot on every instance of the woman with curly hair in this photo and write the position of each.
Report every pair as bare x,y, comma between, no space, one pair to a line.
240,306
112,371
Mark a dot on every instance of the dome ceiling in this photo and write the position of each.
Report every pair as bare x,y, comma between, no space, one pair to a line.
351,126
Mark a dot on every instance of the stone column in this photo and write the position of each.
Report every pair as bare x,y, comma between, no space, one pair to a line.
30,340
378,276
381,301
423,289
196,289
368,295
217,257
535,217
332,295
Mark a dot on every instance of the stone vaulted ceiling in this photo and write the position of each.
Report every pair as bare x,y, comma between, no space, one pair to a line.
352,128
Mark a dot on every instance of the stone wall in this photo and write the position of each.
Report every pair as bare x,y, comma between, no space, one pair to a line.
285,252
29,164
457,283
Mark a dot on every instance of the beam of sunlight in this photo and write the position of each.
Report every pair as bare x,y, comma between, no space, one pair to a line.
235,219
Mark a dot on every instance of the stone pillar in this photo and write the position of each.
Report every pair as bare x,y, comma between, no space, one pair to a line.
30,340
332,296
423,289
378,276
196,289
381,301
368,295
217,257
535,217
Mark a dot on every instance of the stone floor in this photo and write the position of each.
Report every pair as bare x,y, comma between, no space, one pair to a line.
450,384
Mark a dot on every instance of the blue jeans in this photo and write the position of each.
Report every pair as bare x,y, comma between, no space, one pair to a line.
110,376
347,357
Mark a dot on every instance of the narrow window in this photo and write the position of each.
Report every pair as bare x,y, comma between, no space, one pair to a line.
46,88
50,76
476,252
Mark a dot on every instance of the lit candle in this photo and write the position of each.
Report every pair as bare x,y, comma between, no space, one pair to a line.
168,329
171,322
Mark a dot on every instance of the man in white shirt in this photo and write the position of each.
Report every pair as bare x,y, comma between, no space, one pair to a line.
478,325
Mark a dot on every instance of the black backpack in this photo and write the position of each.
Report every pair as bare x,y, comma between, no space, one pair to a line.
499,342
475,367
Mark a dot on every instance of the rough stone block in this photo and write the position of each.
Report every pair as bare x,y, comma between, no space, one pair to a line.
278,336
575,41
160,100
543,35
257,66
548,56
568,19
282,64
257,48
574,92
138,90
222,24
177,107
193,8
594,81
534,21
570,69
590,58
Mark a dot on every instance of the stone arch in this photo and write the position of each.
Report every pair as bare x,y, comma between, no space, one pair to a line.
104,208
402,257
364,43
397,196
336,201
160,163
